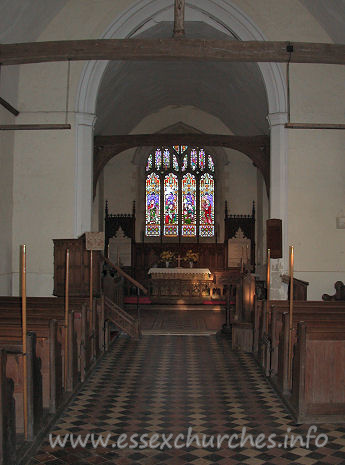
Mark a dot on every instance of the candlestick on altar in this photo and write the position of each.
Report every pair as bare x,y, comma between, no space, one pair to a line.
268,287
247,253
66,318
117,257
108,250
291,263
25,367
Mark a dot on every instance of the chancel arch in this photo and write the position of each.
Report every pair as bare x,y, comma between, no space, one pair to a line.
144,19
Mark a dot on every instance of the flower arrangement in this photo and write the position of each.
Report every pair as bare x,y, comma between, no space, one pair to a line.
191,256
167,256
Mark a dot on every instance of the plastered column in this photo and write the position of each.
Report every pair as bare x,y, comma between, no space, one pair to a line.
84,172
279,197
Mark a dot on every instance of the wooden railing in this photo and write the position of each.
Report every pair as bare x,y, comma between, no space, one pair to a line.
121,319
113,302
126,276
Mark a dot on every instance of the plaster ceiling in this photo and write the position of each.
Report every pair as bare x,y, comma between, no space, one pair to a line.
233,92
331,16
24,20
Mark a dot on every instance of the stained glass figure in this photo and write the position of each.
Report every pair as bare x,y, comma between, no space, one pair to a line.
206,205
202,159
166,159
175,163
149,163
158,159
170,205
185,163
153,205
193,159
188,172
188,205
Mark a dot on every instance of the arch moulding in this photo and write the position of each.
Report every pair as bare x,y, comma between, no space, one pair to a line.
221,15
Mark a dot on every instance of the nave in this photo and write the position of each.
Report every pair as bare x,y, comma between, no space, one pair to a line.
166,384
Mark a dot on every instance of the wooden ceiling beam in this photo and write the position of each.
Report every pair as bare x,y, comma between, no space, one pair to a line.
179,18
174,49
257,148
213,140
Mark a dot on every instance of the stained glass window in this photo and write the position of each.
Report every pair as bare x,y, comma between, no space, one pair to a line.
175,163
210,163
185,163
170,205
180,200
206,205
149,163
158,159
153,205
188,205
202,159
193,159
166,159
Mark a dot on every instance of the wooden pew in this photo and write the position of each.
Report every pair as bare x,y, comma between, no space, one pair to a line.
265,346
308,311
7,415
14,371
318,372
45,317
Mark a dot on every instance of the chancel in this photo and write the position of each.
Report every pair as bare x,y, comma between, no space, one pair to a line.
172,225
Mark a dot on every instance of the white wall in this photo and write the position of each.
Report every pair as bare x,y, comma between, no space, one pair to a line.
316,196
43,163
9,79
124,175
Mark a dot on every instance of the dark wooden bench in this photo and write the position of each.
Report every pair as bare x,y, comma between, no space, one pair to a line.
317,390
265,346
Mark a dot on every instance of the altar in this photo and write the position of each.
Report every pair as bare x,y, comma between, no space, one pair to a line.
180,285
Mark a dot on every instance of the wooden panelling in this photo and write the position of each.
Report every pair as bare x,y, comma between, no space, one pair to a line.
79,284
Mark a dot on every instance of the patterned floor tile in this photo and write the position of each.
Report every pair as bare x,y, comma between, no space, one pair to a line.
181,385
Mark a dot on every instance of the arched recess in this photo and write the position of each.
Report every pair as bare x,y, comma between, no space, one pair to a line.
223,16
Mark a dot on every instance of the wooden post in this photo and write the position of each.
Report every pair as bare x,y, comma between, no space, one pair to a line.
179,18
53,396
31,420
291,313
101,325
66,320
300,371
24,331
72,356
285,355
3,410
91,286
268,288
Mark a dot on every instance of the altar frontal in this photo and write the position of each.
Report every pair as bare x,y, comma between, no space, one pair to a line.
180,285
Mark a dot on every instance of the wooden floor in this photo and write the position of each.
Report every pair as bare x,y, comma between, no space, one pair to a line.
168,321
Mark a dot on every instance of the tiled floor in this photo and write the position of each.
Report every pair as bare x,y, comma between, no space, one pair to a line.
181,321
167,384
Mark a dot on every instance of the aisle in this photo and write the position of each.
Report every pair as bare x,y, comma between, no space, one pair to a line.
167,384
